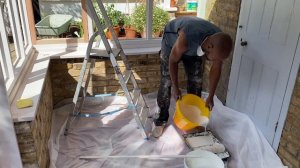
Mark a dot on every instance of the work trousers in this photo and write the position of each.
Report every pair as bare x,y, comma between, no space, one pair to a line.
194,71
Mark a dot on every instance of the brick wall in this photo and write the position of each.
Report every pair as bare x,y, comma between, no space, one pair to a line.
289,147
224,14
65,73
33,135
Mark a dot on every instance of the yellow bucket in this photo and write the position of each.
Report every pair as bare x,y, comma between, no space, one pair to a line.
180,120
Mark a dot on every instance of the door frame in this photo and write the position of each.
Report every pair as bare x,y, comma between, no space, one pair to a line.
290,85
287,97
84,17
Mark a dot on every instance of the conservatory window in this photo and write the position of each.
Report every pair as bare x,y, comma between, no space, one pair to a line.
133,19
15,43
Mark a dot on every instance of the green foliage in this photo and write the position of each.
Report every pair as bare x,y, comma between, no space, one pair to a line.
138,18
160,19
117,17
127,21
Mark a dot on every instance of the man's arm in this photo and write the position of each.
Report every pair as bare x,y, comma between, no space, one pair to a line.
178,49
214,76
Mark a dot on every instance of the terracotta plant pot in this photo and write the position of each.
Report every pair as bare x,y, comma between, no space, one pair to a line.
154,34
130,33
109,35
143,34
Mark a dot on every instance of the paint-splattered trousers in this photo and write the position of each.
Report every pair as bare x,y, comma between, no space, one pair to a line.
194,72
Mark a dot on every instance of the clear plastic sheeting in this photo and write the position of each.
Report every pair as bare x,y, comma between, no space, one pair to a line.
117,134
246,144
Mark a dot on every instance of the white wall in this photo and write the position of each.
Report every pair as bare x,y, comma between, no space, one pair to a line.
9,150
70,7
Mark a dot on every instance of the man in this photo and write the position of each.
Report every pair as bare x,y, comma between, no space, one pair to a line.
189,39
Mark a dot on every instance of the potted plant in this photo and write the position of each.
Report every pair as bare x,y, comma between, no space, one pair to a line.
116,17
139,18
160,19
130,32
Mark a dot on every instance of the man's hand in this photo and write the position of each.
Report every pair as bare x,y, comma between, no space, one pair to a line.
176,93
210,102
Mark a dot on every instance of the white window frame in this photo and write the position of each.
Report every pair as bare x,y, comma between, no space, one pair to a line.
16,29
5,58
14,72
25,25
149,41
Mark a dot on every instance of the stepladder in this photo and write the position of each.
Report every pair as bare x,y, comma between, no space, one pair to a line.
113,52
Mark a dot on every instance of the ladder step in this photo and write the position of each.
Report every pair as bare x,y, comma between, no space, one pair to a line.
102,54
135,94
127,75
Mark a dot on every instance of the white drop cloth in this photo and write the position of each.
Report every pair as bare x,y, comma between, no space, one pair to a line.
117,134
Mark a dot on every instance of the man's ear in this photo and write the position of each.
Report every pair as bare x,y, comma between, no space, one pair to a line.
210,45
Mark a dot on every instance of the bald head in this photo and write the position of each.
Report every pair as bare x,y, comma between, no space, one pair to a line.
222,43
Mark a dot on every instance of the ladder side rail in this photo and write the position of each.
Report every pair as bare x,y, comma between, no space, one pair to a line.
99,26
115,38
79,83
84,91
121,78
77,110
107,20
125,59
90,44
92,66
74,112
83,68
131,104
108,23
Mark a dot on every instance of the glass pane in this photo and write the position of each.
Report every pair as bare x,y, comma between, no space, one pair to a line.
9,33
174,9
23,19
128,18
58,19
162,14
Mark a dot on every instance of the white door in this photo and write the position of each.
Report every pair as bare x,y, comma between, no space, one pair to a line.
265,47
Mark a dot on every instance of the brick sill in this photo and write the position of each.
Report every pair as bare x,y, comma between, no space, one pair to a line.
37,71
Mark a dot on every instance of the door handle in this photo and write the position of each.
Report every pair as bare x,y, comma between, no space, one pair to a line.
244,43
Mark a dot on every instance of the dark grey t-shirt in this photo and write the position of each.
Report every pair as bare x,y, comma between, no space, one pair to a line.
195,29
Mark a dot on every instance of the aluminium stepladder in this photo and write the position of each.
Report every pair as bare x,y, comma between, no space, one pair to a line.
136,101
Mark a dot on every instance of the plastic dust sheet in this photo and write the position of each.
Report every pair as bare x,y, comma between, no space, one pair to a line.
117,134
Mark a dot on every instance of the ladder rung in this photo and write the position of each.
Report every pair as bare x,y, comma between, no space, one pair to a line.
127,75
98,53
98,57
101,53
135,96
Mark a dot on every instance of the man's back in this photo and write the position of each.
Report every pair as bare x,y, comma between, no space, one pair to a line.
195,29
